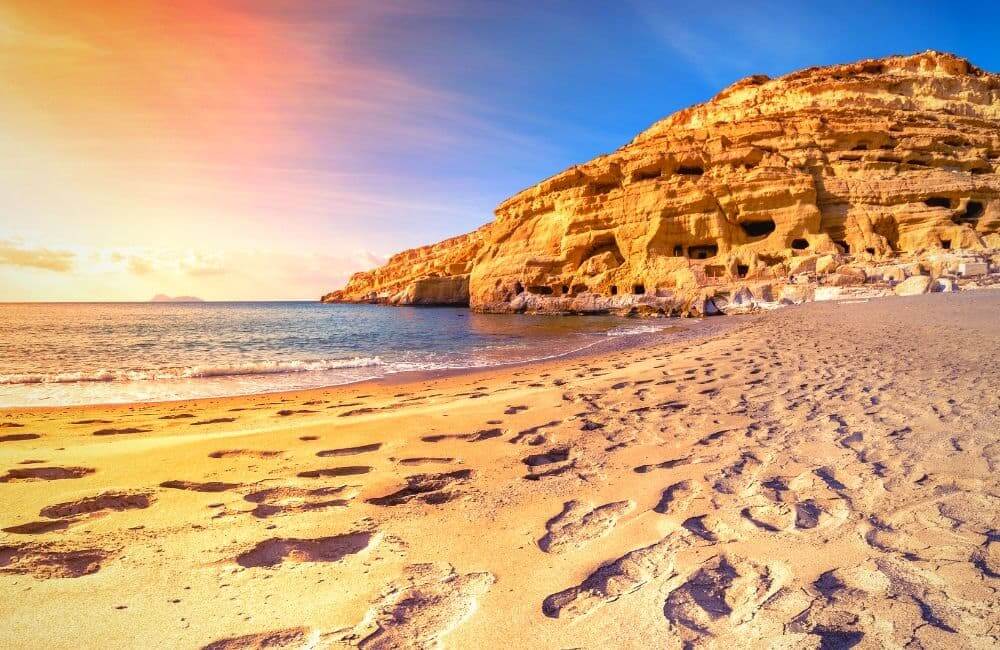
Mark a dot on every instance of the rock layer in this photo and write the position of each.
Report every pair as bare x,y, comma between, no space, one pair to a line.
864,162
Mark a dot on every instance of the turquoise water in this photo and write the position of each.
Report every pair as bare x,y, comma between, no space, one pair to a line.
80,353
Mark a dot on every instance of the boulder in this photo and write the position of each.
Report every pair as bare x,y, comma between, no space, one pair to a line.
913,286
827,264
971,269
793,294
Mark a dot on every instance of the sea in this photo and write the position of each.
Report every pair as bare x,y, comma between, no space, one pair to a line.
97,353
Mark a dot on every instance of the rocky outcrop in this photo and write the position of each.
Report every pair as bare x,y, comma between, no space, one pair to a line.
854,163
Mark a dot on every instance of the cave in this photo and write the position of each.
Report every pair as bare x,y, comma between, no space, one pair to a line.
742,270
603,244
703,252
946,244
870,250
938,202
540,289
564,289
518,288
861,146
686,170
645,175
579,288
973,210
800,244
638,289
678,251
614,290
844,246
759,228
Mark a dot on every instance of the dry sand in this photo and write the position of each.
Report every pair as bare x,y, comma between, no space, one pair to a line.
823,476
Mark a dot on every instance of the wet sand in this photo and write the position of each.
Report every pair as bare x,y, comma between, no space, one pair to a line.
821,476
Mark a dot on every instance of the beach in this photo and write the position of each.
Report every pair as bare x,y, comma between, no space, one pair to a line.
823,475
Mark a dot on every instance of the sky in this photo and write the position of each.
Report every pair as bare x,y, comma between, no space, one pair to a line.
266,149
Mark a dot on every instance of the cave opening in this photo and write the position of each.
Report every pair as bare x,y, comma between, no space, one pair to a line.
844,246
638,289
973,210
690,170
870,250
703,252
678,251
518,288
938,202
800,244
540,289
579,288
614,290
946,244
861,146
564,289
742,270
759,228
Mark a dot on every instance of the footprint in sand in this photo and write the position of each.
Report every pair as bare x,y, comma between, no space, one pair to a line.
427,460
246,453
667,464
558,455
428,488
347,470
531,435
91,422
104,502
613,580
478,436
291,499
212,421
676,498
350,451
272,552
430,603
120,432
45,474
295,637
578,525
179,416
286,412
193,486
40,527
14,437
45,561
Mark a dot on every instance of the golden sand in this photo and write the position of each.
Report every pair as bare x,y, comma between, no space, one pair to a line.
819,477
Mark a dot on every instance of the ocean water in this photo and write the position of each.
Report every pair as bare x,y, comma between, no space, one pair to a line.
87,353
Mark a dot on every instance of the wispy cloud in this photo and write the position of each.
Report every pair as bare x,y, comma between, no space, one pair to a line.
14,254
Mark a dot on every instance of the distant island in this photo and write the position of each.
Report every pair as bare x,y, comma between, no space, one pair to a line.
164,298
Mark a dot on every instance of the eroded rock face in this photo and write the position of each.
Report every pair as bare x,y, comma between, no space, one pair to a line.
871,159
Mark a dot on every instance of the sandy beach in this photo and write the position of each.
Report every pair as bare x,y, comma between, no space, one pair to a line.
823,476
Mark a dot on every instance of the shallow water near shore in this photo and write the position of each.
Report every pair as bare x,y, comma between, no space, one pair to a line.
85,353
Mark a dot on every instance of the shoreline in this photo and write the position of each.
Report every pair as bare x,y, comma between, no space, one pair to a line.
677,332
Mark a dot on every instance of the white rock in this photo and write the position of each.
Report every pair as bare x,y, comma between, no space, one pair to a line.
913,286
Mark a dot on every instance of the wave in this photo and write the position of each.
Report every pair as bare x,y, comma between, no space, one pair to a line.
635,329
191,372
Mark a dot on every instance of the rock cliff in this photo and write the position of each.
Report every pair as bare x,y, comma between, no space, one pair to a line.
857,163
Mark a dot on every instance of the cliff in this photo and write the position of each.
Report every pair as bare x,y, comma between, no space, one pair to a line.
860,163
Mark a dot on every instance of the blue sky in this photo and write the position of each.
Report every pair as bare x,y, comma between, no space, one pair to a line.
250,149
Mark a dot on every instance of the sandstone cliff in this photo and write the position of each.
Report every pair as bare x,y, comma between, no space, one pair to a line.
861,162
